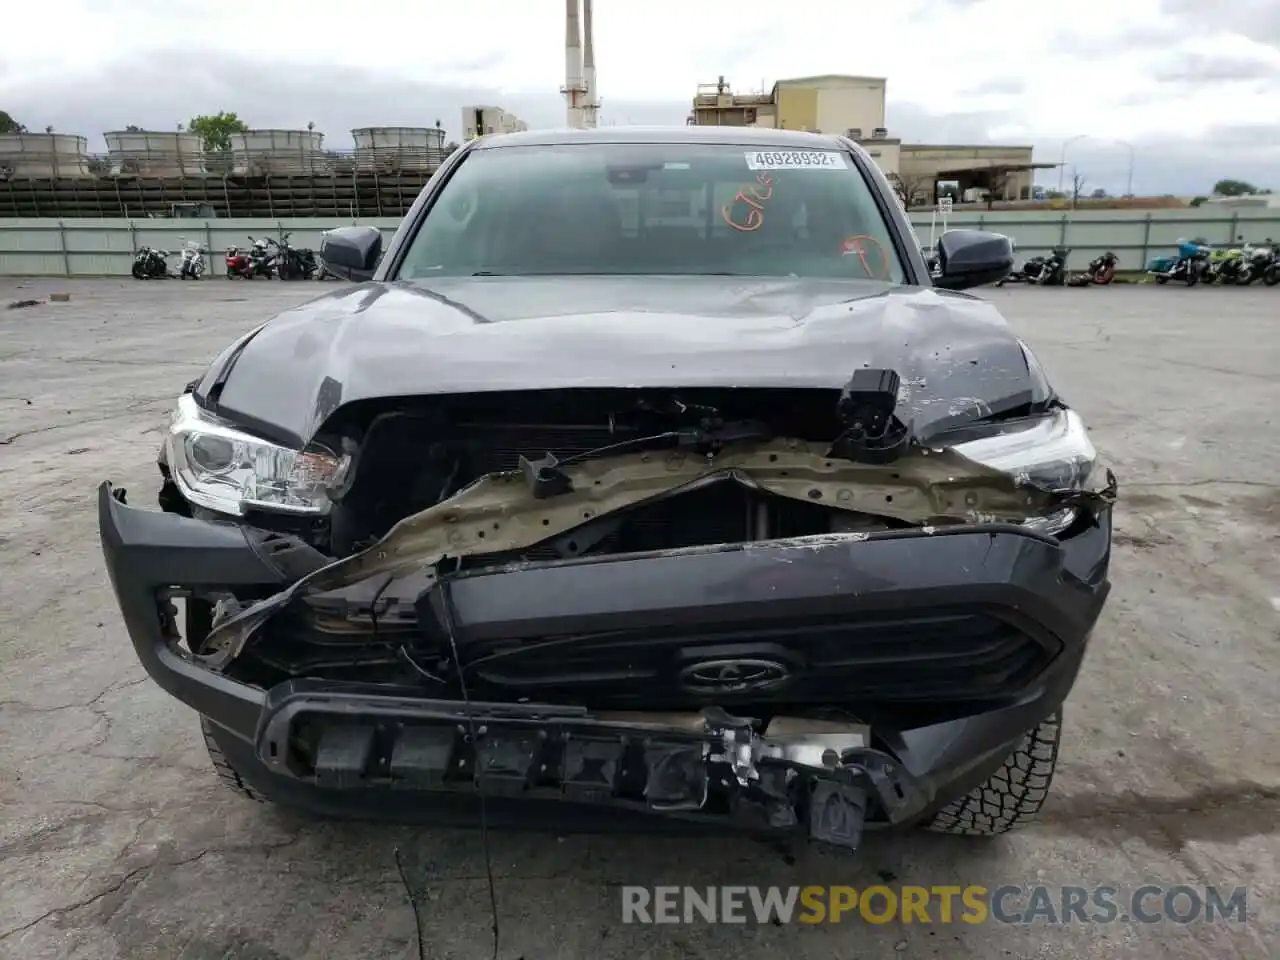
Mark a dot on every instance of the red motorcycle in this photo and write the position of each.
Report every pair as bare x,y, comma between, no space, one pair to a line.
1102,270
247,264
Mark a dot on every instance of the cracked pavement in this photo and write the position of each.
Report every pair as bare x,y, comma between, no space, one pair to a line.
117,840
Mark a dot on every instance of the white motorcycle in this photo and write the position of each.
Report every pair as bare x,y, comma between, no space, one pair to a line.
191,263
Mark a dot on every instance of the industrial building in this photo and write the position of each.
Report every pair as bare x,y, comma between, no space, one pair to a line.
855,107
480,120
258,153
264,173
398,149
24,155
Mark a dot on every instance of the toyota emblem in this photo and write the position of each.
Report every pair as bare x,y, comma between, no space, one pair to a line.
713,677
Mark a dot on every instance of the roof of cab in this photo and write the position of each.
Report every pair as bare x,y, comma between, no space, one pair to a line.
746,136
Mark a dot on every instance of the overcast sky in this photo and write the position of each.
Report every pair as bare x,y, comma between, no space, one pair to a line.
1194,91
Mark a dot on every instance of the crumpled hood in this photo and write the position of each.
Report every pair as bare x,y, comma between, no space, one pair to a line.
956,356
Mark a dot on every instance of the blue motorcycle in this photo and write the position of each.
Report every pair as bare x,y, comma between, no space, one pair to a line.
1187,265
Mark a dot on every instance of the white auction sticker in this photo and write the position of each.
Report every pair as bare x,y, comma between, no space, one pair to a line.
796,160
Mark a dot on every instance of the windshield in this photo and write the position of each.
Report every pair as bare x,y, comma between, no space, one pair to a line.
582,209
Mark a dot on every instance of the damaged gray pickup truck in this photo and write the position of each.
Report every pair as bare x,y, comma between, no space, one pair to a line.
647,479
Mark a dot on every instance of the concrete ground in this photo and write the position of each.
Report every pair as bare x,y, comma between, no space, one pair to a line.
117,841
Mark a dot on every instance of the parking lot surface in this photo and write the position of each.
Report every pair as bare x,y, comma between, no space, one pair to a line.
117,840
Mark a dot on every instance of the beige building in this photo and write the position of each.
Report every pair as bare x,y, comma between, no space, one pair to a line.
477,121
855,107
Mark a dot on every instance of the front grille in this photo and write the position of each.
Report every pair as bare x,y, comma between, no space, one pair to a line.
920,658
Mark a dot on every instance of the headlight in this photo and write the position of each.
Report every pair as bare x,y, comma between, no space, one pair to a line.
1053,453
221,468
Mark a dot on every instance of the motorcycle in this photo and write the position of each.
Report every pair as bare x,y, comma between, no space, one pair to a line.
150,263
1102,270
1229,265
191,260
1190,265
931,261
257,261
1271,270
294,263
1260,260
1050,271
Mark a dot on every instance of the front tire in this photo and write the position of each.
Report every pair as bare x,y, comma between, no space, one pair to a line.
1011,796
228,774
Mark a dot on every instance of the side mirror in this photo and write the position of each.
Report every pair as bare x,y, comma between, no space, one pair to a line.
351,252
971,258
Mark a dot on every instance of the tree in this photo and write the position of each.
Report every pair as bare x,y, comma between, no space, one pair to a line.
215,133
10,125
1077,187
1233,188
997,182
1099,193
215,130
916,189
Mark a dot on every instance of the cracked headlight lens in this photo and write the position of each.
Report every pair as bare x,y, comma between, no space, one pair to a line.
224,469
1052,453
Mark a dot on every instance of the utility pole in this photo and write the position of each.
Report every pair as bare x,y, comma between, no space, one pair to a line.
1062,160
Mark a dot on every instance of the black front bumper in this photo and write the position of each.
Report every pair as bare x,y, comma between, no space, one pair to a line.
383,740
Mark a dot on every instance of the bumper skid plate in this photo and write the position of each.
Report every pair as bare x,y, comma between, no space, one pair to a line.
357,740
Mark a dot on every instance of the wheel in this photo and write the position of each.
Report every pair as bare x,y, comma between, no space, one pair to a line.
1162,280
1011,796
223,768
138,272
1272,276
